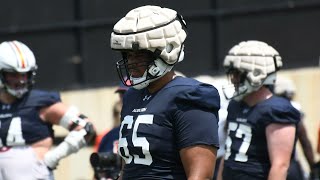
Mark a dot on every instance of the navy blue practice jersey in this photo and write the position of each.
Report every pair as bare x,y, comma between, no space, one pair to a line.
155,127
20,122
246,144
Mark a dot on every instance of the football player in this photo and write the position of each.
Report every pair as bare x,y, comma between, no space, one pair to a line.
261,126
169,126
27,116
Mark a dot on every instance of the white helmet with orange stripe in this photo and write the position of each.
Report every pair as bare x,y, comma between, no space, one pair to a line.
17,68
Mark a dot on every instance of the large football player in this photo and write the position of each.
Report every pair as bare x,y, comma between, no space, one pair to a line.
169,123
261,126
27,116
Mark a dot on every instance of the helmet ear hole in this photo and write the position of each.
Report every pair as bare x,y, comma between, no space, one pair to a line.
169,48
256,72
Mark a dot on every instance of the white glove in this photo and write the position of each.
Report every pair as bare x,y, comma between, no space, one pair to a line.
76,140
71,144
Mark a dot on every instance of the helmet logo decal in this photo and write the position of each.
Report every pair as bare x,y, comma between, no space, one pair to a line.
116,42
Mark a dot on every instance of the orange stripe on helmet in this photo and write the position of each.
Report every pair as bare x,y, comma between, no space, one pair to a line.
23,61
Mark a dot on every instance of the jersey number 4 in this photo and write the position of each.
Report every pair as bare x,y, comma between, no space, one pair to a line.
14,137
245,133
139,142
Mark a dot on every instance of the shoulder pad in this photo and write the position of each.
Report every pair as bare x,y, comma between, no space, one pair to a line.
201,95
42,98
280,110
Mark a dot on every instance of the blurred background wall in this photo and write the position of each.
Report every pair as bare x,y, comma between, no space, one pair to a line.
70,39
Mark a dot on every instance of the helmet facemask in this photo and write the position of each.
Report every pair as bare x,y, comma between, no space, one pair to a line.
237,86
141,73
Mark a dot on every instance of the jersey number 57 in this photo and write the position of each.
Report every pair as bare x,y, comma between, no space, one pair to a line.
242,132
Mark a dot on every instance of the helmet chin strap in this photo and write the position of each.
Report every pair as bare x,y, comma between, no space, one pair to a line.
141,82
247,88
154,72
230,91
239,95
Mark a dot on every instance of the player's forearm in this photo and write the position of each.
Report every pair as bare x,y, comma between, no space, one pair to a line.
310,158
220,170
306,144
307,151
278,172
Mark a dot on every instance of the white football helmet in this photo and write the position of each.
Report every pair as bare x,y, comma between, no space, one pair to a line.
256,64
159,30
16,57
